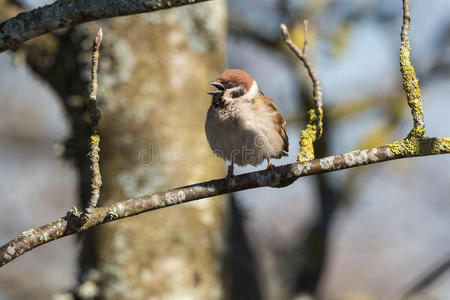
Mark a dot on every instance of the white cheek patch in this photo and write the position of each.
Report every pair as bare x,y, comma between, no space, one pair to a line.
254,91
231,95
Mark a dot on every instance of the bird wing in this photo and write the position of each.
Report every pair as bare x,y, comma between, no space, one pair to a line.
266,104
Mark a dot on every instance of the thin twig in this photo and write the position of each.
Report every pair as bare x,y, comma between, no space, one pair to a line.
301,54
95,55
76,221
305,40
314,125
406,21
95,115
428,278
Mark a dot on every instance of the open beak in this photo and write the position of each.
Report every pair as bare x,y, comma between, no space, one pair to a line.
219,86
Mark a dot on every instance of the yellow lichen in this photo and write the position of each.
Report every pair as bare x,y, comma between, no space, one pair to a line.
411,87
309,135
416,144
95,139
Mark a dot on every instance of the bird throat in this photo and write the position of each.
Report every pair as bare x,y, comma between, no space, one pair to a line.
218,101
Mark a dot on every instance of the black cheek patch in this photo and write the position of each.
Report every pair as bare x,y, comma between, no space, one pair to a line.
236,93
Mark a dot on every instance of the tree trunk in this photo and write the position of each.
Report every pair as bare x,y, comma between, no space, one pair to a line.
153,76
153,81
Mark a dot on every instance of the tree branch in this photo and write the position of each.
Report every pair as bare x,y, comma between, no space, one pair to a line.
76,221
415,145
412,90
314,125
95,115
410,80
65,13
428,278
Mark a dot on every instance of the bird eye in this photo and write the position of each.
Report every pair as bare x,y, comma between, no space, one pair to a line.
231,84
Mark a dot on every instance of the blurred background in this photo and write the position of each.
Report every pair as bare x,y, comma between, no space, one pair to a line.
376,232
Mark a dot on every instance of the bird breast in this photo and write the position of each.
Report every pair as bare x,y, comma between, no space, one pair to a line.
239,133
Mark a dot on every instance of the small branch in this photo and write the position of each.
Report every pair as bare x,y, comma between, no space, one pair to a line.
428,278
96,181
406,21
410,80
301,54
65,13
95,115
94,85
305,40
314,126
76,221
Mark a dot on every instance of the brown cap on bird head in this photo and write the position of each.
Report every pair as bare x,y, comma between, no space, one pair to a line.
236,76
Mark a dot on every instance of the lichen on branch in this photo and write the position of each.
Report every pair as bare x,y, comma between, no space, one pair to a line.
417,145
416,142
309,135
95,115
314,124
411,87
65,13
77,221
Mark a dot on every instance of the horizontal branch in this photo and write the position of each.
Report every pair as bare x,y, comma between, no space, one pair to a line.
76,221
65,13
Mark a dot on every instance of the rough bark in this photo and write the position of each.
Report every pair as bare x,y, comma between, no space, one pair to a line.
154,103
281,176
63,13
153,75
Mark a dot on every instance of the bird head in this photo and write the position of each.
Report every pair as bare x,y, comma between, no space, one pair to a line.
234,83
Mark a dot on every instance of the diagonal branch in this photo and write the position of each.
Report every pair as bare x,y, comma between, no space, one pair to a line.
76,221
428,278
65,13
314,125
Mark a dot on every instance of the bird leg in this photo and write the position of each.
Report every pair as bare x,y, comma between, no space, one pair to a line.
270,166
230,174
230,171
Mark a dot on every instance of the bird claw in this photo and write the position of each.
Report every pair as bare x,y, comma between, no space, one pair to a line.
230,175
271,167
229,178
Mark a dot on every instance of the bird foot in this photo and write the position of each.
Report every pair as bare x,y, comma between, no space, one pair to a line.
271,167
229,179
229,176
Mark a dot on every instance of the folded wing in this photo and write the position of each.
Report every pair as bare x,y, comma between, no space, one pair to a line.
266,104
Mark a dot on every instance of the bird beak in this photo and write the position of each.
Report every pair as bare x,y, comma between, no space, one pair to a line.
219,86
216,92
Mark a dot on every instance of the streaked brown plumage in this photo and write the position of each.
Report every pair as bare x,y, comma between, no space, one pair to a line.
243,125
265,103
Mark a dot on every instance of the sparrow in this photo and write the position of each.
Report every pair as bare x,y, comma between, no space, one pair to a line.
243,126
